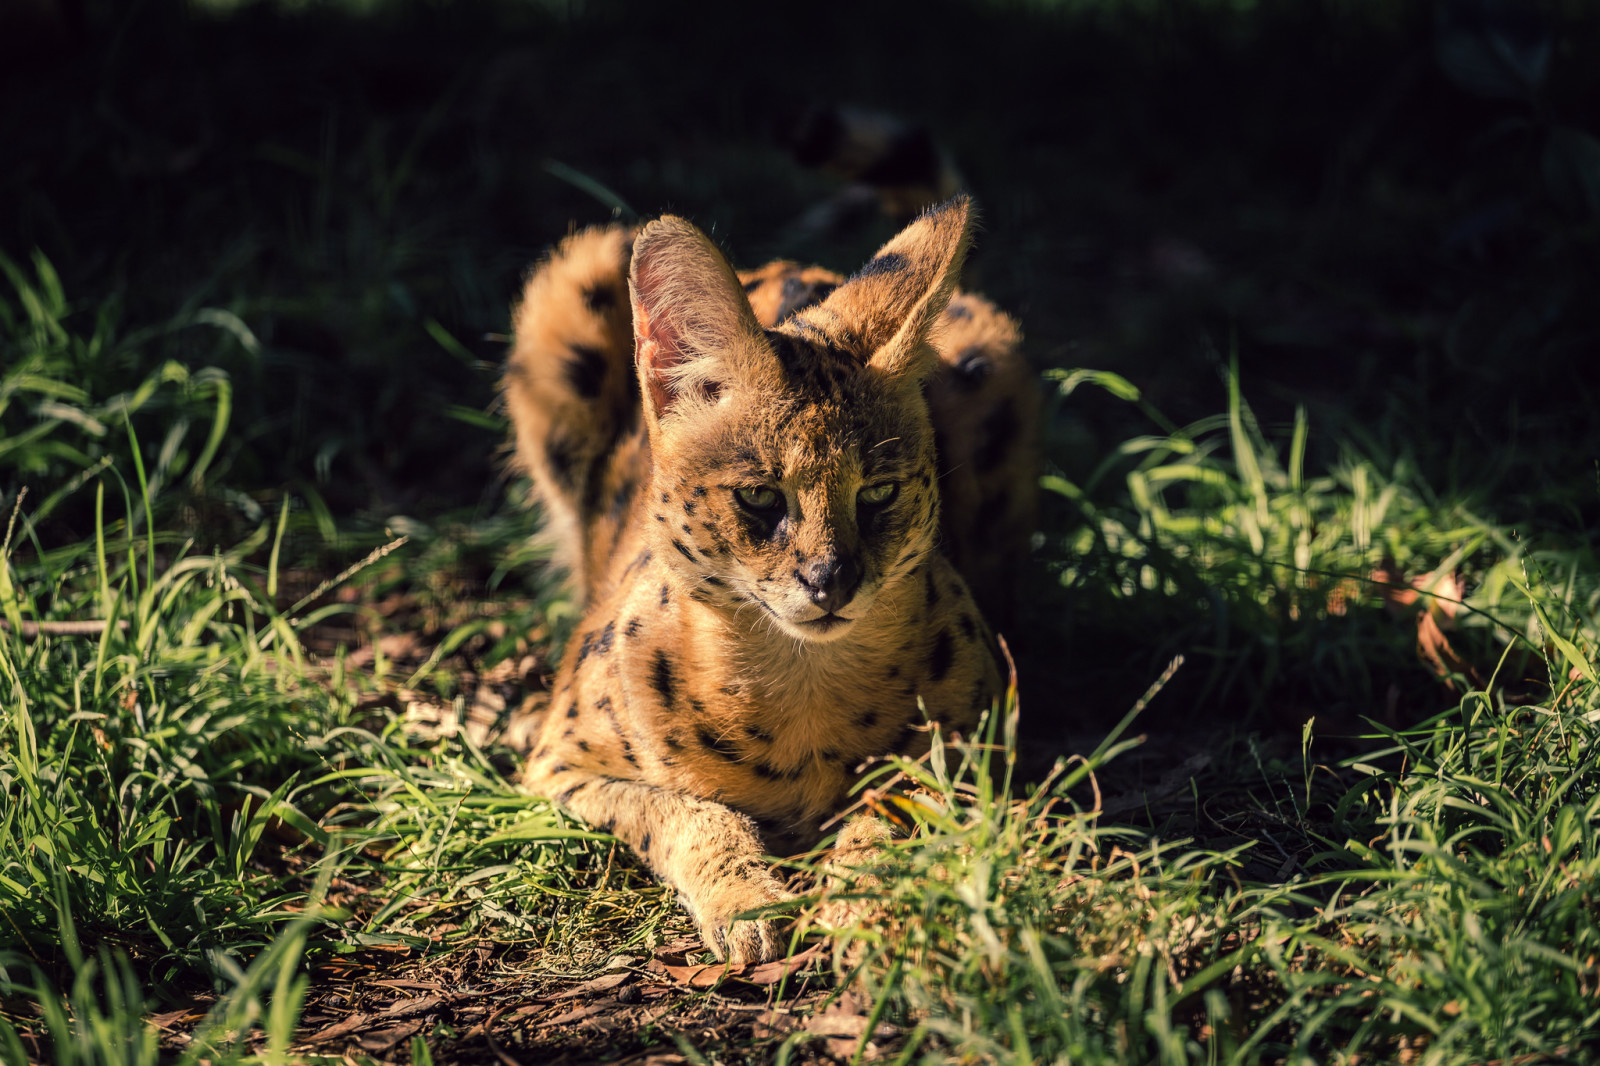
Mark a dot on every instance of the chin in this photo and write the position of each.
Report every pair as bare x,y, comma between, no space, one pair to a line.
824,630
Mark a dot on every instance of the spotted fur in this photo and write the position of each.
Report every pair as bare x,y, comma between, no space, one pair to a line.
746,486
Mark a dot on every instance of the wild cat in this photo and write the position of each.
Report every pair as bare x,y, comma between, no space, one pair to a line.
744,474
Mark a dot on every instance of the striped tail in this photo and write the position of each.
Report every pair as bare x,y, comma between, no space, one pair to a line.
573,397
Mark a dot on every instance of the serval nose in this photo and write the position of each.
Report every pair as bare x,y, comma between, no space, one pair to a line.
831,580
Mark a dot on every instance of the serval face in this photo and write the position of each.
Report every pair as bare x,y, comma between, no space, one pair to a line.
800,500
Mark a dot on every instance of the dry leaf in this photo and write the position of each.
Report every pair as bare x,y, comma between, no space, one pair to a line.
774,1025
696,975
167,1019
1433,620
845,1016
350,1025
416,1005
770,973
384,1039
420,986
599,984
581,1013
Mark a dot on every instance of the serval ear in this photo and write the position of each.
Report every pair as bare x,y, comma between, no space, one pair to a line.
694,333
885,311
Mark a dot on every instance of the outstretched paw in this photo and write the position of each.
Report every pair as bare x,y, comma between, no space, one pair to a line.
741,942
849,889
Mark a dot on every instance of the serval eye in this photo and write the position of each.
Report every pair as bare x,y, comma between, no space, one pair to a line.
880,494
760,498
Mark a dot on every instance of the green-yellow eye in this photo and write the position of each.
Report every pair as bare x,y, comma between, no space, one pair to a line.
879,494
760,498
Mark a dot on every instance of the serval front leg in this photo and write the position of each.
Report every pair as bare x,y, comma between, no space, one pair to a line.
709,853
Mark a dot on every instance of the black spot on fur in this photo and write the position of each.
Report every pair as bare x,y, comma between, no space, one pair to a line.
597,643
572,710
638,561
972,368
560,453
622,497
583,745
632,628
566,794
666,595
661,677
790,352
599,297
688,507
887,263
958,310
665,498
699,490
942,655
755,732
798,294
995,435
866,719
687,530
674,741
805,325
894,671
697,707
713,743
752,286
586,370
644,844
685,552
712,579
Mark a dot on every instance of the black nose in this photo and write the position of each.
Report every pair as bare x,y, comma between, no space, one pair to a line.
831,580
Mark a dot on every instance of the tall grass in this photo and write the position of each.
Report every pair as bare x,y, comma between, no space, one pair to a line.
1442,909
181,779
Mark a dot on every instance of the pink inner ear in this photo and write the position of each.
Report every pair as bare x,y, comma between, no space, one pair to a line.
658,347
656,350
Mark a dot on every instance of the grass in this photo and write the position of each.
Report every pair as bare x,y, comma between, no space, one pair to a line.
255,543
184,785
